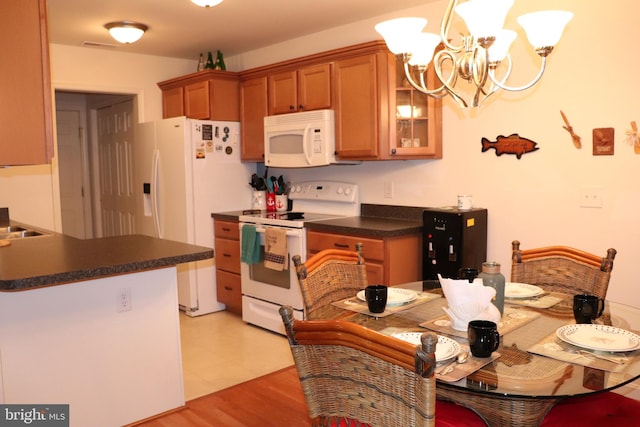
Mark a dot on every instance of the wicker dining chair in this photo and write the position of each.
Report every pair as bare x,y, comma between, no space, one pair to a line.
562,269
329,276
354,376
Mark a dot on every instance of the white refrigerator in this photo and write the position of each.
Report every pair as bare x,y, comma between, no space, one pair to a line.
185,169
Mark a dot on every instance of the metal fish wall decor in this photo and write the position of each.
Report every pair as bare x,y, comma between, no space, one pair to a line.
512,144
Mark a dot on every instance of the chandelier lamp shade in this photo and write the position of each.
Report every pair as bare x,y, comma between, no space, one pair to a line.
477,57
126,31
206,3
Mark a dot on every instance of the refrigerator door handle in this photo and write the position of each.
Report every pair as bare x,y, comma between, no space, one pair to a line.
155,179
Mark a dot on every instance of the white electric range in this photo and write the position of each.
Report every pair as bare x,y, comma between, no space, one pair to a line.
264,289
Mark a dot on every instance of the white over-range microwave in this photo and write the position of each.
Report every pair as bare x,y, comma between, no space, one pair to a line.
298,140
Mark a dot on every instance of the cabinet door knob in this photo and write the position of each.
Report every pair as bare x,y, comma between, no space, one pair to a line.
292,107
300,107
393,151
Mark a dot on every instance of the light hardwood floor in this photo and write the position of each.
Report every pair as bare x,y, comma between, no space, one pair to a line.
219,350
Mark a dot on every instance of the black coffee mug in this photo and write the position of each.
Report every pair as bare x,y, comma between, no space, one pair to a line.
484,338
468,273
587,308
376,296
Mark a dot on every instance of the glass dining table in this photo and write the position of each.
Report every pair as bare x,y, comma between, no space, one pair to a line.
540,361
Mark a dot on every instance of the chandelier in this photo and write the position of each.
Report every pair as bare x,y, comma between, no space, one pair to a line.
478,55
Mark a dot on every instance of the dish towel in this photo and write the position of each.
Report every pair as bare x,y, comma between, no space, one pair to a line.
250,252
276,256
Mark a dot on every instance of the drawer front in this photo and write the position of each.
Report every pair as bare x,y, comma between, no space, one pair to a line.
373,248
227,255
226,229
229,291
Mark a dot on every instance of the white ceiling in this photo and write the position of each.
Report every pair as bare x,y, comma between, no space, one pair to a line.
180,29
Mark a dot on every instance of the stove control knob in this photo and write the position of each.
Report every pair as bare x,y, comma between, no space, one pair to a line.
348,191
297,189
340,190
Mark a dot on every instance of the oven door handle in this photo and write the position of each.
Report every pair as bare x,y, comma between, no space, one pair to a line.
289,233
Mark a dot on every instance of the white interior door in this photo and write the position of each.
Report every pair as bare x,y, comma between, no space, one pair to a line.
70,155
115,157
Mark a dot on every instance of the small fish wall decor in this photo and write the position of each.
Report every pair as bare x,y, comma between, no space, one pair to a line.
512,144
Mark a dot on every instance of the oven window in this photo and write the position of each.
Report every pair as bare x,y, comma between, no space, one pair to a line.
259,273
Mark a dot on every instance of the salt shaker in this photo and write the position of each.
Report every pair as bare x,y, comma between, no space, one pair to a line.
491,276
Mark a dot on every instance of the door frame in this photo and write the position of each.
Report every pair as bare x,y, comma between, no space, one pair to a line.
138,112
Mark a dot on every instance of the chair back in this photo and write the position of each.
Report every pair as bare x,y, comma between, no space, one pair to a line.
330,275
349,372
562,269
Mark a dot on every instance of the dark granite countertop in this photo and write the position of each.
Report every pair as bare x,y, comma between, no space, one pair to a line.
56,259
374,221
367,226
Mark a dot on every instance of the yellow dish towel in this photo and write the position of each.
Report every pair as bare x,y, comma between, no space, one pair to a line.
276,256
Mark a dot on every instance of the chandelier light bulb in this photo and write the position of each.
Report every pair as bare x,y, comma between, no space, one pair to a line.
545,28
399,34
484,18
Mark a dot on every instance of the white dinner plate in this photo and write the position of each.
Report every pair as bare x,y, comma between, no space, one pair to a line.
395,296
445,349
521,290
599,337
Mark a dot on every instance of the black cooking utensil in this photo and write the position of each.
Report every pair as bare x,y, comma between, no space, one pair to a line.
281,184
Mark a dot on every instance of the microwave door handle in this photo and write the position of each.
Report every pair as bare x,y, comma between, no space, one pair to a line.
305,145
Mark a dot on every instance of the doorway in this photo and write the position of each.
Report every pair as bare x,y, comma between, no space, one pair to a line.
95,136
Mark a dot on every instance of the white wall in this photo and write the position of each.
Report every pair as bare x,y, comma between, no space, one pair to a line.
591,77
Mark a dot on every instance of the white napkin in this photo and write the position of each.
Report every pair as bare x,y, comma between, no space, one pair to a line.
468,301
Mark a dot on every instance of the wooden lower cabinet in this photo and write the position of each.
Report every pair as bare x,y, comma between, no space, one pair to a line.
227,258
229,291
389,261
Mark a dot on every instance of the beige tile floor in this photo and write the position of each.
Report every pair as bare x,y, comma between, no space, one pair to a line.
220,350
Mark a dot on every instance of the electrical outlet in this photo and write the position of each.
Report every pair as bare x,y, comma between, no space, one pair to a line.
388,189
591,197
124,299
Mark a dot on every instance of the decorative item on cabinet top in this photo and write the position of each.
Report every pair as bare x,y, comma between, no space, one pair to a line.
479,53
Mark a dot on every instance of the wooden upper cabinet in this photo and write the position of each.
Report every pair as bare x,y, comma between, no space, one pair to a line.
308,88
253,110
283,92
357,109
206,95
26,108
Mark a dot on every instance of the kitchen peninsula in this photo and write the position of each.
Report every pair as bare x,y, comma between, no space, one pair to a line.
93,324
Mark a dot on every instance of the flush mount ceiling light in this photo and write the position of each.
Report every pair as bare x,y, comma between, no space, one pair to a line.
206,3
126,31
479,53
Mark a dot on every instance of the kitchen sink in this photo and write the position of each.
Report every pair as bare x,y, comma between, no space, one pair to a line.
11,229
13,232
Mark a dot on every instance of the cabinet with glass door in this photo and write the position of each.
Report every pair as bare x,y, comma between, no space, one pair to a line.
417,128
